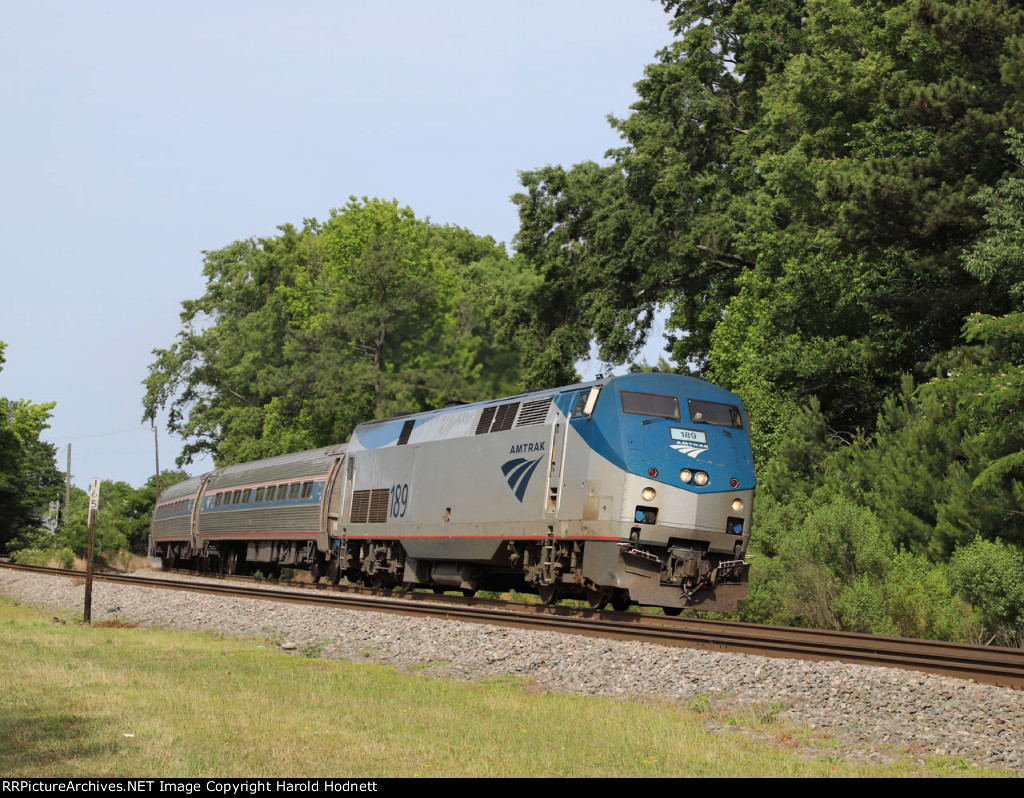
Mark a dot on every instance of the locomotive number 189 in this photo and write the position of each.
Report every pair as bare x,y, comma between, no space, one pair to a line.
399,500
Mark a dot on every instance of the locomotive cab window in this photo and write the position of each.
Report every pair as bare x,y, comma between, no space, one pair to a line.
581,403
658,405
714,413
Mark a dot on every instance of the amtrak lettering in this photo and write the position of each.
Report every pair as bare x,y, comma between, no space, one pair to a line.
694,450
518,473
526,448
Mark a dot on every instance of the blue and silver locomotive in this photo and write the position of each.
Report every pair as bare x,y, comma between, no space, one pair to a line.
630,489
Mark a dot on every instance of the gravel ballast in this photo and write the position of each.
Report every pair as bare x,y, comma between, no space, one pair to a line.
868,714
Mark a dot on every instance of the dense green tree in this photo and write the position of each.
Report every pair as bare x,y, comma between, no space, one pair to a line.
29,479
825,561
301,336
122,520
991,576
796,185
941,473
997,258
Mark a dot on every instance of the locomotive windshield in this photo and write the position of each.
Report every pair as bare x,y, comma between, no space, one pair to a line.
658,405
714,413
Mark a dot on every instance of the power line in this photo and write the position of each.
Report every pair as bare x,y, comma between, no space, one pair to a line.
126,431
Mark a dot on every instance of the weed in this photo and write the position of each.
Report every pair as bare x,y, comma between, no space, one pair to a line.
314,649
769,714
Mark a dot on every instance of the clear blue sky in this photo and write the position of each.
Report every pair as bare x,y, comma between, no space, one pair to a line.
137,135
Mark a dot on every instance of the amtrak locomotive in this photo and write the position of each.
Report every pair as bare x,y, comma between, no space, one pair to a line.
632,489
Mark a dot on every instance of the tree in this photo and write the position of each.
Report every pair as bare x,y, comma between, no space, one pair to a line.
997,258
301,336
122,520
29,479
991,576
796,184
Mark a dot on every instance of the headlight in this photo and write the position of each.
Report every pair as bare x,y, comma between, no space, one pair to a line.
648,494
700,479
737,505
686,475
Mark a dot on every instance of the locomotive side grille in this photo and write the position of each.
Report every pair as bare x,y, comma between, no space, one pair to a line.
486,417
360,507
379,505
406,432
505,417
534,412
370,506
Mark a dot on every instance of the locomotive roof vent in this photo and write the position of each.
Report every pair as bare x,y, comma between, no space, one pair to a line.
505,417
497,419
486,417
534,412
406,433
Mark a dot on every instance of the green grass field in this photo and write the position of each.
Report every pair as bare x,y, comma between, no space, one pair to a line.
109,701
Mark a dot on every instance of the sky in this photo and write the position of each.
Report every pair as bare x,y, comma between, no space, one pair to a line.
138,135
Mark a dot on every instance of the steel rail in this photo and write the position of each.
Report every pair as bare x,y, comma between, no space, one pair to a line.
988,664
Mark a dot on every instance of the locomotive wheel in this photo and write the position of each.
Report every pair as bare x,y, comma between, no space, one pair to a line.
468,592
316,568
598,598
548,593
620,600
334,571
377,580
672,611
438,591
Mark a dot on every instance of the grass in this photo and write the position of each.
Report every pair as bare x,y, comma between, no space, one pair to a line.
116,701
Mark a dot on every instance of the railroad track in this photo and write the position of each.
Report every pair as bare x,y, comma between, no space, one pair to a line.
988,664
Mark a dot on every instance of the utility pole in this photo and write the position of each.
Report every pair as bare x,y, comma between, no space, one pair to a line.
67,489
156,447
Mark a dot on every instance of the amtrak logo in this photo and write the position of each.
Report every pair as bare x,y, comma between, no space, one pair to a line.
518,473
691,449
